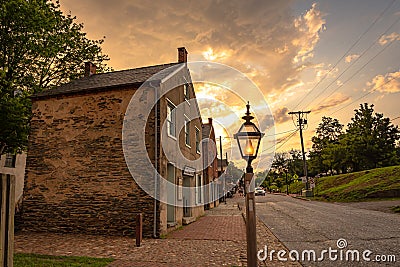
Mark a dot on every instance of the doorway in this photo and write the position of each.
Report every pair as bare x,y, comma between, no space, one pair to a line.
187,211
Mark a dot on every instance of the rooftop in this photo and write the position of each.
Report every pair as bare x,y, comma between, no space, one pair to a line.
112,79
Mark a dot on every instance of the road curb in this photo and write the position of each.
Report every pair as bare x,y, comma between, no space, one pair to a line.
301,198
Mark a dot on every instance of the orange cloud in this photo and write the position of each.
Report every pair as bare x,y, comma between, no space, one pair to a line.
333,101
388,83
310,25
389,38
350,58
281,115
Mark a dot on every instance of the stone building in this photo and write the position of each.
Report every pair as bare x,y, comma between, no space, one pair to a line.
78,178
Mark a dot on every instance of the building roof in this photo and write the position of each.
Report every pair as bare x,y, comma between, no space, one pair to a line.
112,79
225,163
206,130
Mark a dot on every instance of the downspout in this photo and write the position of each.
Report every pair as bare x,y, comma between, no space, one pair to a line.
155,161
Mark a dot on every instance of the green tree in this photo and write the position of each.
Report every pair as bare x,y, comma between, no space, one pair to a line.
295,163
233,173
371,139
323,155
40,48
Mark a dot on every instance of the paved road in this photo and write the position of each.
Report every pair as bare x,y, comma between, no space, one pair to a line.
310,225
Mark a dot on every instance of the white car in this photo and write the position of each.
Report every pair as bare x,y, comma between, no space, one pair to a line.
259,191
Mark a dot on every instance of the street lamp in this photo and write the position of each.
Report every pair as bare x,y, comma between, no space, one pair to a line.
248,138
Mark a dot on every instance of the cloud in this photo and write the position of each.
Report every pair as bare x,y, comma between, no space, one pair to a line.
260,38
334,100
350,58
310,25
394,36
388,83
281,115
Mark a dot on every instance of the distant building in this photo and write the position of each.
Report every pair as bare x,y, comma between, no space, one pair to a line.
224,163
210,165
77,179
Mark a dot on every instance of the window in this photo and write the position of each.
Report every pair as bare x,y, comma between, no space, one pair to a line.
197,140
186,91
10,160
171,119
187,131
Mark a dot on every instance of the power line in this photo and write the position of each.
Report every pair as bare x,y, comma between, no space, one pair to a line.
395,118
348,50
352,76
231,137
284,140
282,132
370,92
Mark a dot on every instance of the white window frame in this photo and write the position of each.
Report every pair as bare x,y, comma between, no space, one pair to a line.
186,91
10,160
187,131
199,189
173,119
197,137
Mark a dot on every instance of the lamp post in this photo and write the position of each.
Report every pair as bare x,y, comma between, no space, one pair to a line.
248,138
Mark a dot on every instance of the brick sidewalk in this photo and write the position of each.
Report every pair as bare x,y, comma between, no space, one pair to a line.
224,228
216,239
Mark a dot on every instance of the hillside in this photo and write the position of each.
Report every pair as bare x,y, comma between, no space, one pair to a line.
360,186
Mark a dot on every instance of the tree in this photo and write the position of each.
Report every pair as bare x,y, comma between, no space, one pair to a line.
233,172
40,48
295,164
371,139
323,155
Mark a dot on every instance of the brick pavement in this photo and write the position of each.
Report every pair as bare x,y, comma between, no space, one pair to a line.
230,228
216,239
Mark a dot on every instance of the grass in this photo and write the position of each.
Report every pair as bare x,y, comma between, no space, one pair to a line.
382,183
30,260
396,209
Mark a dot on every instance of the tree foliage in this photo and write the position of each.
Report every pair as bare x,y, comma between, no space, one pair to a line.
369,142
324,153
40,48
371,139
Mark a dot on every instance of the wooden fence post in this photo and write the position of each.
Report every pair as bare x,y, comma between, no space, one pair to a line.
7,204
139,227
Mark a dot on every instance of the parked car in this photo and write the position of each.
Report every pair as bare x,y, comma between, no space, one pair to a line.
260,191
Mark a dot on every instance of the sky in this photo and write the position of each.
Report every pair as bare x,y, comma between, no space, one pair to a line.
326,57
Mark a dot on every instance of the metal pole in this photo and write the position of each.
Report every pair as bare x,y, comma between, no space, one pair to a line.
301,123
251,233
222,170
139,229
287,186
302,150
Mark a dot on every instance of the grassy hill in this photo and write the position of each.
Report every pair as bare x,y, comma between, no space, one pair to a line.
360,186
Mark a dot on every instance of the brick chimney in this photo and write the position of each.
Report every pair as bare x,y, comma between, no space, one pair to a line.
182,55
210,121
90,69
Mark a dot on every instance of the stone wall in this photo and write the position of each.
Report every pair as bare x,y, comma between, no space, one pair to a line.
76,176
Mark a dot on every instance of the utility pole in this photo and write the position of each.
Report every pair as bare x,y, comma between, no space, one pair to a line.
230,179
302,122
222,169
